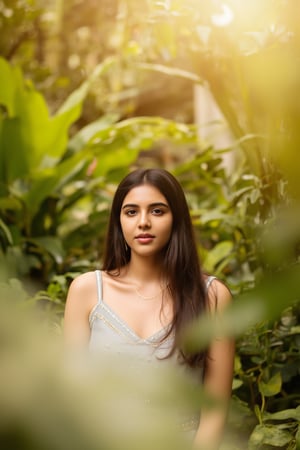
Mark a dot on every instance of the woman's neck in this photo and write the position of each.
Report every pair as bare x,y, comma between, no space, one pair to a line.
144,270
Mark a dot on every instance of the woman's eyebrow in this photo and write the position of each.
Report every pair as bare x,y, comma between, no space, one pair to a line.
152,205
130,205
159,204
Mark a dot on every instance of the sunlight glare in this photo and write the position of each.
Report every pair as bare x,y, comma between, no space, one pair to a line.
224,18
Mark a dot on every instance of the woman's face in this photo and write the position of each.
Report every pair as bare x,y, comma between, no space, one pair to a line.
146,220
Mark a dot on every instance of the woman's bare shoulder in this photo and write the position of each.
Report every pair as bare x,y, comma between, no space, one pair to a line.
84,279
219,294
83,286
82,295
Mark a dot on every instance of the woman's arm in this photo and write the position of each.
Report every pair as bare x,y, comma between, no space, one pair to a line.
217,378
80,300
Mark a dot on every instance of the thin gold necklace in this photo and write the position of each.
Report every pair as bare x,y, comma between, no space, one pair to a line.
152,297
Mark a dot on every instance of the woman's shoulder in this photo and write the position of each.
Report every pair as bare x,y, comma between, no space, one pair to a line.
81,297
219,295
83,286
84,280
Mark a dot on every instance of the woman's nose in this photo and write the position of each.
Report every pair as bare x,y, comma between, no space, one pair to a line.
144,221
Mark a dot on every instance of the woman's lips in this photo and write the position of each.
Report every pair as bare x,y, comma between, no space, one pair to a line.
144,238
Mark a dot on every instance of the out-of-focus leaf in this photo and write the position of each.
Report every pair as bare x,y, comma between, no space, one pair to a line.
52,245
8,82
269,434
110,160
297,438
13,291
217,254
236,383
32,138
272,386
264,302
6,232
76,97
174,71
82,138
285,414
47,182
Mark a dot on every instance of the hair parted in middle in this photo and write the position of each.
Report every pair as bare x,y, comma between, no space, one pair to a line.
181,266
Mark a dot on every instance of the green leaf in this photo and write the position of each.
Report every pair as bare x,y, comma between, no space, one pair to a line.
32,138
272,387
212,216
236,383
258,413
270,435
5,230
217,254
255,195
76,97
8,76
286,414
82,138
52,245
48,182
109,160
298,438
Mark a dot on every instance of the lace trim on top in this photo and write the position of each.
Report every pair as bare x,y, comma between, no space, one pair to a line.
103,312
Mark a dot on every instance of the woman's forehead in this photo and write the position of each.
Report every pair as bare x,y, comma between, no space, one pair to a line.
143,194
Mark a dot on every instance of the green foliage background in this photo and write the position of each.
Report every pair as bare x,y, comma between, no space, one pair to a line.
86,94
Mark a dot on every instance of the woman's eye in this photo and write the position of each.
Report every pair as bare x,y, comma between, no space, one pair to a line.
157,212
130,212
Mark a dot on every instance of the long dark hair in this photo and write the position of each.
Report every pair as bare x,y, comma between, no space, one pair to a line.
181,266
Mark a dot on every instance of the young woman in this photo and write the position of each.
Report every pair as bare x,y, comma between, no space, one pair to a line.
150,288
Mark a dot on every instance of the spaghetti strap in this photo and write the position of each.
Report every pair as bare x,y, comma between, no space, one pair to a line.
99,285
209,281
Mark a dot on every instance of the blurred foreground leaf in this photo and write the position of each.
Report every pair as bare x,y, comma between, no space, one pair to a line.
54,399
265,302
